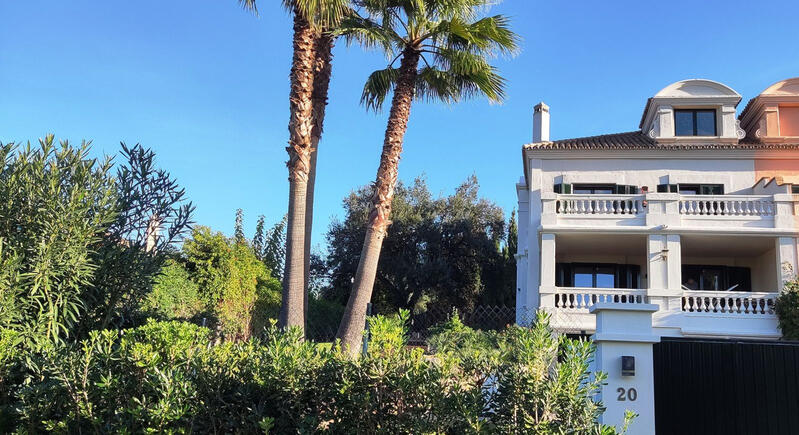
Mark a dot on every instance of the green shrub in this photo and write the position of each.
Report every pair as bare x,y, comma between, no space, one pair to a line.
787,308
76,250
174,294
234,285
55,203
169,377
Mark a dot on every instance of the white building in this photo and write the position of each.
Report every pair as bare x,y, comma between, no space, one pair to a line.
693,212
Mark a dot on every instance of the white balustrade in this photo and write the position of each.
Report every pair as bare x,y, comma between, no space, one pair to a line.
727,205
728,302
581,298
629,205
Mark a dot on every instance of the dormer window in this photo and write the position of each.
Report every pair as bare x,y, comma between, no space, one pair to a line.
695,122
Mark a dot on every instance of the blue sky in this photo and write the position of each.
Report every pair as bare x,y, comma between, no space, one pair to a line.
205,84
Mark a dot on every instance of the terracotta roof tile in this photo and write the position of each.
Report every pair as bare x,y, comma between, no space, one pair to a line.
636,140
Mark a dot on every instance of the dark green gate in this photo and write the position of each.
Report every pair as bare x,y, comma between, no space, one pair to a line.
726,387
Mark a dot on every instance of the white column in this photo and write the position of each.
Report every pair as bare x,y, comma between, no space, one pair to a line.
664,279
522,250
664,263
784,215
626,330
786,260
547,289
531,300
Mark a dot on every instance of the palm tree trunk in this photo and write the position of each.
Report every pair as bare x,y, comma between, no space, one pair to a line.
321,83
351,329
292,311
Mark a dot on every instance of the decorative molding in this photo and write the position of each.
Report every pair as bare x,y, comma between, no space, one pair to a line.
739,131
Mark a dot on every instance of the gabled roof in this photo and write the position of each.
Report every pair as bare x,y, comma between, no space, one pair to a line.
636,140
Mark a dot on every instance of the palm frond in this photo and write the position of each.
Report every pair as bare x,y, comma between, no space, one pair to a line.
470,74
249,5
323,14
367,33
450,31
378,86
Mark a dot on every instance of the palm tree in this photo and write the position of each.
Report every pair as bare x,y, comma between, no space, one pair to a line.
453,46
311,17
323,68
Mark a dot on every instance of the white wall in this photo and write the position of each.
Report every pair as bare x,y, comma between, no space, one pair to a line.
736,175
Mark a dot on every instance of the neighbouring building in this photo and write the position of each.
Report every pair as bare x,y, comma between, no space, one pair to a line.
695,212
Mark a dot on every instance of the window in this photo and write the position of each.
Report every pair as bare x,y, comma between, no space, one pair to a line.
695,122
795,189
716,278
597,275
701,189
595,189
692,189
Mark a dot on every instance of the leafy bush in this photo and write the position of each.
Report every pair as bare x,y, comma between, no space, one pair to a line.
234,285
55,204
79,245
174,294
169,377
787,308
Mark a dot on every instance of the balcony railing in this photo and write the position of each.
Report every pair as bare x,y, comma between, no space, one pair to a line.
694,312
729,302
727,205
671,209
629,205
581,298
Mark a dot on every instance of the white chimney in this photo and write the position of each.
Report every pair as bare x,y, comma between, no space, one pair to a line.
541,123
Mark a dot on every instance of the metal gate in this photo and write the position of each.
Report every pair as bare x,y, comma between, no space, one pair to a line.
726,387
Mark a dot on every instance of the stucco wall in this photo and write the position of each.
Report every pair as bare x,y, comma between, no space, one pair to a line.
789,121
736,175
788,169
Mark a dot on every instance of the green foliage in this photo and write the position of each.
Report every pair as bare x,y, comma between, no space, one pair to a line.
541,372
443,250
152,216
55,204
80,245
454,44
476,350
388,333
787,308
234,285
174,294
169,377
238,228
273,252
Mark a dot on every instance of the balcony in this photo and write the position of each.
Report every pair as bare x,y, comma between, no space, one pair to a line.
710,285
670,209
699,313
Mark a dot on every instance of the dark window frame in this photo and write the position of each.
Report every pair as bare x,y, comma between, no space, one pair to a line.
702,189
615,189
626,276
593,188
695,122
730,275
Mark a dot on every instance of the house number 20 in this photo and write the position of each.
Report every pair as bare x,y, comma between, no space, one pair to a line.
629,394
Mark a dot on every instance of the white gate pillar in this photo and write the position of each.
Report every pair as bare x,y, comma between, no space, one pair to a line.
624,340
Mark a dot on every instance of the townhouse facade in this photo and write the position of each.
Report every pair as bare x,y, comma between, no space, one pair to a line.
696,212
